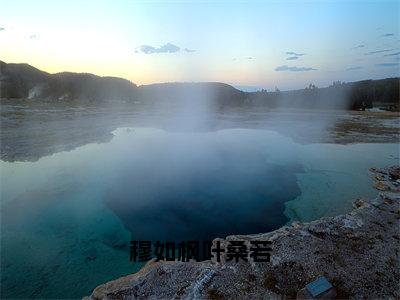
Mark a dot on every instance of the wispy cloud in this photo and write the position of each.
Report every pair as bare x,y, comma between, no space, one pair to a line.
2,28
354,68
189,50
378,51
34,36
293,69
292,58
242,58
294,53
387,65
167,48
393,54
358,46
387,34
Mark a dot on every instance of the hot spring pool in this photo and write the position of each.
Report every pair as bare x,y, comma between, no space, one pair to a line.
67,219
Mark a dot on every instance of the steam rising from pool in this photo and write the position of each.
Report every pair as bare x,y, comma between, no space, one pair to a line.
67,219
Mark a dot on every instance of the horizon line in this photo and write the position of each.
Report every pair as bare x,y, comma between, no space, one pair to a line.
177,82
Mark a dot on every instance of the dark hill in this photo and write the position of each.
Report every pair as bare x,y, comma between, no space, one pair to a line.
194,94
16,80
26,82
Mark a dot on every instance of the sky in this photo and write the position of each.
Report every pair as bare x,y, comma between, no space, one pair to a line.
262,44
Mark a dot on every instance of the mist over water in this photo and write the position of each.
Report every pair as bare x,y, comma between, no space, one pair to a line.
90,162
67,219
202,186
188,168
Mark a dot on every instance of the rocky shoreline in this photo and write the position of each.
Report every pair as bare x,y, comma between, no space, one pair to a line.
357,252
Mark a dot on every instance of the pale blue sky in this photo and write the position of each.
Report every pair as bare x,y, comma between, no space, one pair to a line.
238,42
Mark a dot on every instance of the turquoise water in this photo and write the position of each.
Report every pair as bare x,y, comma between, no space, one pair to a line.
66,220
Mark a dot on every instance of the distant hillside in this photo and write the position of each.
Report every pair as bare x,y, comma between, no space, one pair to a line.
353,95
212,94
17,80
24,81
